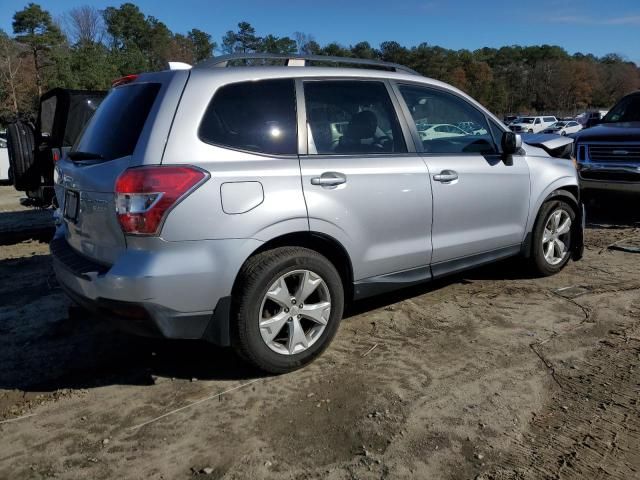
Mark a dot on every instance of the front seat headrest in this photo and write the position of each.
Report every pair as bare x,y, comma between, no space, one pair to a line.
362,125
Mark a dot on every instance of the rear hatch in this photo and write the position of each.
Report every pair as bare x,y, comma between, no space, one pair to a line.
129,129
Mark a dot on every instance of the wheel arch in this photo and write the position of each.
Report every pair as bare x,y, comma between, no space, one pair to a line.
571,194
322,243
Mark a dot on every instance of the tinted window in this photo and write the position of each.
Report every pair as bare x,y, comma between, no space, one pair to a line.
81,109
115,127
47,115
256,116
435,112
497,133
627,110
549,119
351,117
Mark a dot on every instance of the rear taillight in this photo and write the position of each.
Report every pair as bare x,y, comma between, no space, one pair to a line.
144,195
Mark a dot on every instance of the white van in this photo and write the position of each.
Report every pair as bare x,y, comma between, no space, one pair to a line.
532,124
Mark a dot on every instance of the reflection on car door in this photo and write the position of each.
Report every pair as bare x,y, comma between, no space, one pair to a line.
365,189
480,202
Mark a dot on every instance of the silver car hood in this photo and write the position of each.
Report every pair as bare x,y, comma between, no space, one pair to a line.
555,145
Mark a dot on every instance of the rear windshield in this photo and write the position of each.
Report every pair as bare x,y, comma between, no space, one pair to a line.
116,126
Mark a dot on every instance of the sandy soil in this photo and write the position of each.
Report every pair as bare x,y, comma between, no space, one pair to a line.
487,375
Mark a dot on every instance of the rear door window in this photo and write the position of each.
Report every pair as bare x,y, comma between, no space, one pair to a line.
255,116
115,128
349,117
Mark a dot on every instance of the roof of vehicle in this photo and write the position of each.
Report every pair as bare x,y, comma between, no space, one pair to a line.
219,68
298,66
298,60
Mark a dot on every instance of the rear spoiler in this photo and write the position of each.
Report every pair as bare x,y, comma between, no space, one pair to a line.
555,145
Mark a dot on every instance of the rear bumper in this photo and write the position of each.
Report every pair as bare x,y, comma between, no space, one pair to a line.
181,290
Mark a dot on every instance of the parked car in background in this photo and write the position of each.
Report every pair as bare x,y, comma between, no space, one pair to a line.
443,130
563,127
532,124
608,154
509,119
4,160
589,119
472,128
213,203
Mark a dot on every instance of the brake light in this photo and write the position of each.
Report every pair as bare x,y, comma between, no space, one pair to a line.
123,80
145,195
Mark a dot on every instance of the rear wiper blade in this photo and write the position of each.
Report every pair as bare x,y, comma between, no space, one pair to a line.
84,156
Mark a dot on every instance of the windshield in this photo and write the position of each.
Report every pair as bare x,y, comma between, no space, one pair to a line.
558,124
526,120
627,110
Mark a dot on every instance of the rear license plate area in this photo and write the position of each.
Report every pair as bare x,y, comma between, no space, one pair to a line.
71,205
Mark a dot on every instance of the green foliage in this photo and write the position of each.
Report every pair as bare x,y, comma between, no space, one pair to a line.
244,40
201,45
273,44
34,27
122,40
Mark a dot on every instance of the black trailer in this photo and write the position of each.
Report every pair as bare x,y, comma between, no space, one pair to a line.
33,150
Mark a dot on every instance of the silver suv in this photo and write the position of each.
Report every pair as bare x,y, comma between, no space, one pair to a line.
244,205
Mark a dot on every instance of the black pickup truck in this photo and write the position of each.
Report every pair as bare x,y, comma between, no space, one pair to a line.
608,154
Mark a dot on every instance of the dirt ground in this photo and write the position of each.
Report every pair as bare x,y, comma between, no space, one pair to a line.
487,375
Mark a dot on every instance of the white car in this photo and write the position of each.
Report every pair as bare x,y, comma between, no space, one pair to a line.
440,130
564,127
532,124
4,161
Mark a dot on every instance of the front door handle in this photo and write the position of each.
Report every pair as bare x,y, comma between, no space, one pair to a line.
446,176
329,179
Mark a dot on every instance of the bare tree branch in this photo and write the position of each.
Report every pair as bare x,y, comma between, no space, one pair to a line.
85,25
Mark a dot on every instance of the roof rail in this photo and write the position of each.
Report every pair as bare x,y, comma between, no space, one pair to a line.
297,60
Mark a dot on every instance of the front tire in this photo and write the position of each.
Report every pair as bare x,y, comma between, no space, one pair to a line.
552,245
288,304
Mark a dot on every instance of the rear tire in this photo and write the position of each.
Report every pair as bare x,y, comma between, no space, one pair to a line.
21,149
551,248
274,329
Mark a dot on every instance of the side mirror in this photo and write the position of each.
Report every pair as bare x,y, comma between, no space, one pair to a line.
511,143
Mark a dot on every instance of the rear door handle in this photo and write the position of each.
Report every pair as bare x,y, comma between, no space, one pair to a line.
446,176
329,179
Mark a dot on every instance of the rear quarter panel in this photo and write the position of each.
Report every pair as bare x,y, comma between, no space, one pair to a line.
201,216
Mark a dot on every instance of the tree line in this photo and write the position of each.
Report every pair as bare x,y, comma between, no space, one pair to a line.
87,48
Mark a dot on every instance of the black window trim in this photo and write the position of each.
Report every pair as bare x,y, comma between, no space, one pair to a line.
303,140
243,150
408,118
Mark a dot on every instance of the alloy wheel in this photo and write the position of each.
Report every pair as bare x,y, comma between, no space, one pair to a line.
555,237
294,312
